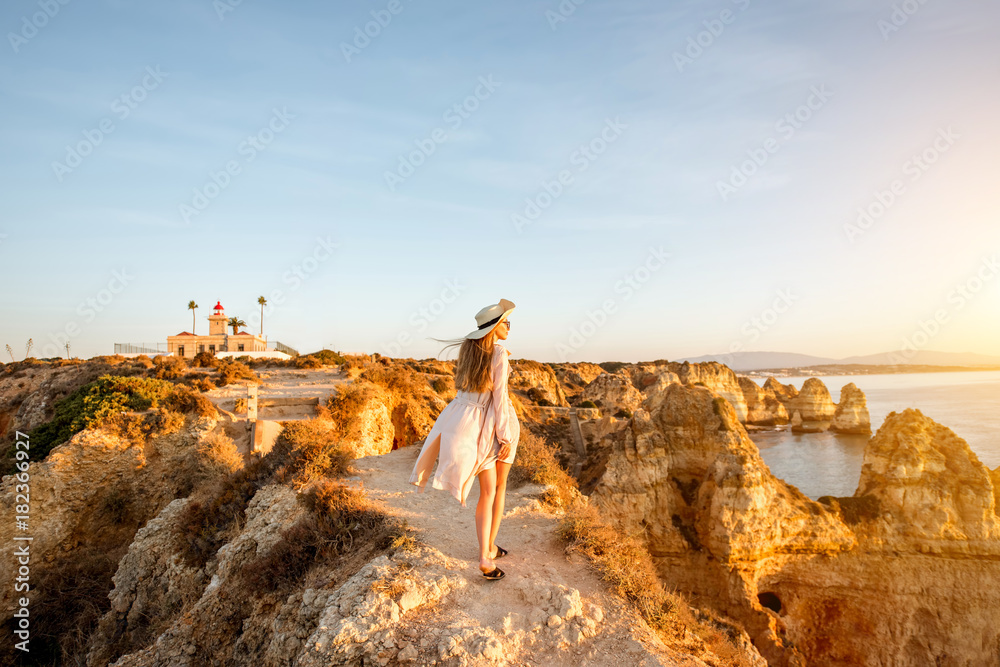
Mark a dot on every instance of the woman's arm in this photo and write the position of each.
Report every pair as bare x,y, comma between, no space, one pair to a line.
500,370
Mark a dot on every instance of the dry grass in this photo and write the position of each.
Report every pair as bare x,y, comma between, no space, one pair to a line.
187,401
340,520
219,453
394,585
623,562
314,450
346,405
536,462
230,372
169,368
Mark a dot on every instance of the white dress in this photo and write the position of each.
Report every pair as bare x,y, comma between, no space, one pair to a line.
471,428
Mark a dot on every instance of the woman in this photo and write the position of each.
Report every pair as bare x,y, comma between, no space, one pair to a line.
476,435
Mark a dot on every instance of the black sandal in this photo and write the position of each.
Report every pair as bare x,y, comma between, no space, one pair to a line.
497,573
501,552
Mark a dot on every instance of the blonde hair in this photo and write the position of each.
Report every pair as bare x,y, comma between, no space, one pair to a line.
472,370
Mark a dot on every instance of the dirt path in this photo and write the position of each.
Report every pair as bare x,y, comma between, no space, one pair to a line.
537,568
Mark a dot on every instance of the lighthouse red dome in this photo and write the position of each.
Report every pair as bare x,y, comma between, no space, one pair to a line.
218,305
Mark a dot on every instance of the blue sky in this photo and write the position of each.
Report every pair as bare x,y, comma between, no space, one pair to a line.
688,176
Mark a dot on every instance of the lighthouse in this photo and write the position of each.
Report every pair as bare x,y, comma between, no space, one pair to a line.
217,321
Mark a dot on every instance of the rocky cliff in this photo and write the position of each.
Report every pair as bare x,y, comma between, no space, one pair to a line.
810,410
717,377
613,392
684,473
538,382
763,406
851,415
905,572
417,603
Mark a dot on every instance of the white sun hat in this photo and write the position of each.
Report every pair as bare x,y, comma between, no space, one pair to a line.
489,317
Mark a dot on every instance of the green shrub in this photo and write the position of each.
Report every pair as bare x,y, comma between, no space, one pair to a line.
327,357
587,404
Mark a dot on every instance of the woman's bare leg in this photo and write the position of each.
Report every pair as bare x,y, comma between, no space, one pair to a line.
484,517
498,503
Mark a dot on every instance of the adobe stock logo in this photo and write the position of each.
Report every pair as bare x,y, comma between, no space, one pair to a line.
38,20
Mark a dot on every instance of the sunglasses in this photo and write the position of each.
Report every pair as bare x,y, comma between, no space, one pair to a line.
507,322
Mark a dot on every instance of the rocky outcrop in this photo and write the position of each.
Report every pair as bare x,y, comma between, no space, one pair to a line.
716,377
684,473
923,585
905,572
813,402
651,378
578,374
375,419
783,392
29,391
613,392
932,492
810,410
538,381
415,606
74,485
851,415
763,406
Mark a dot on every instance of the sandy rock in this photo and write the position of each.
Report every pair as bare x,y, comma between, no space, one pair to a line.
538,381
613,392
852,415
930,487
763,407
718,378
579,374
813,402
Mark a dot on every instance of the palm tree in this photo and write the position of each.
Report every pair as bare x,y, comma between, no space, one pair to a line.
236,323
262,301
191,306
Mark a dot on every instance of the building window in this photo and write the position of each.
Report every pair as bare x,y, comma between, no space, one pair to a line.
211,348
180,350
201,348
239,347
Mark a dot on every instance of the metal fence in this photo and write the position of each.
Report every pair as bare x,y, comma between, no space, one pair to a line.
281,347
140,348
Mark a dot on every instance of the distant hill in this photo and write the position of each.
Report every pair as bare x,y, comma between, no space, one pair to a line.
750,361
927,357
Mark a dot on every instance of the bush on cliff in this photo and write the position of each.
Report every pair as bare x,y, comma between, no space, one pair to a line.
340,521
101,404
233,371
319,359
304,451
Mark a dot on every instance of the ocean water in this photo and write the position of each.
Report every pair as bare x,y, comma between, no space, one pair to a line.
826,464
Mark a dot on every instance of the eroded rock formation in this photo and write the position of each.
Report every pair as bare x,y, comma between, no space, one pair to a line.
684,472
717,377
538,381
613,392
763,407
851,415
905,572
